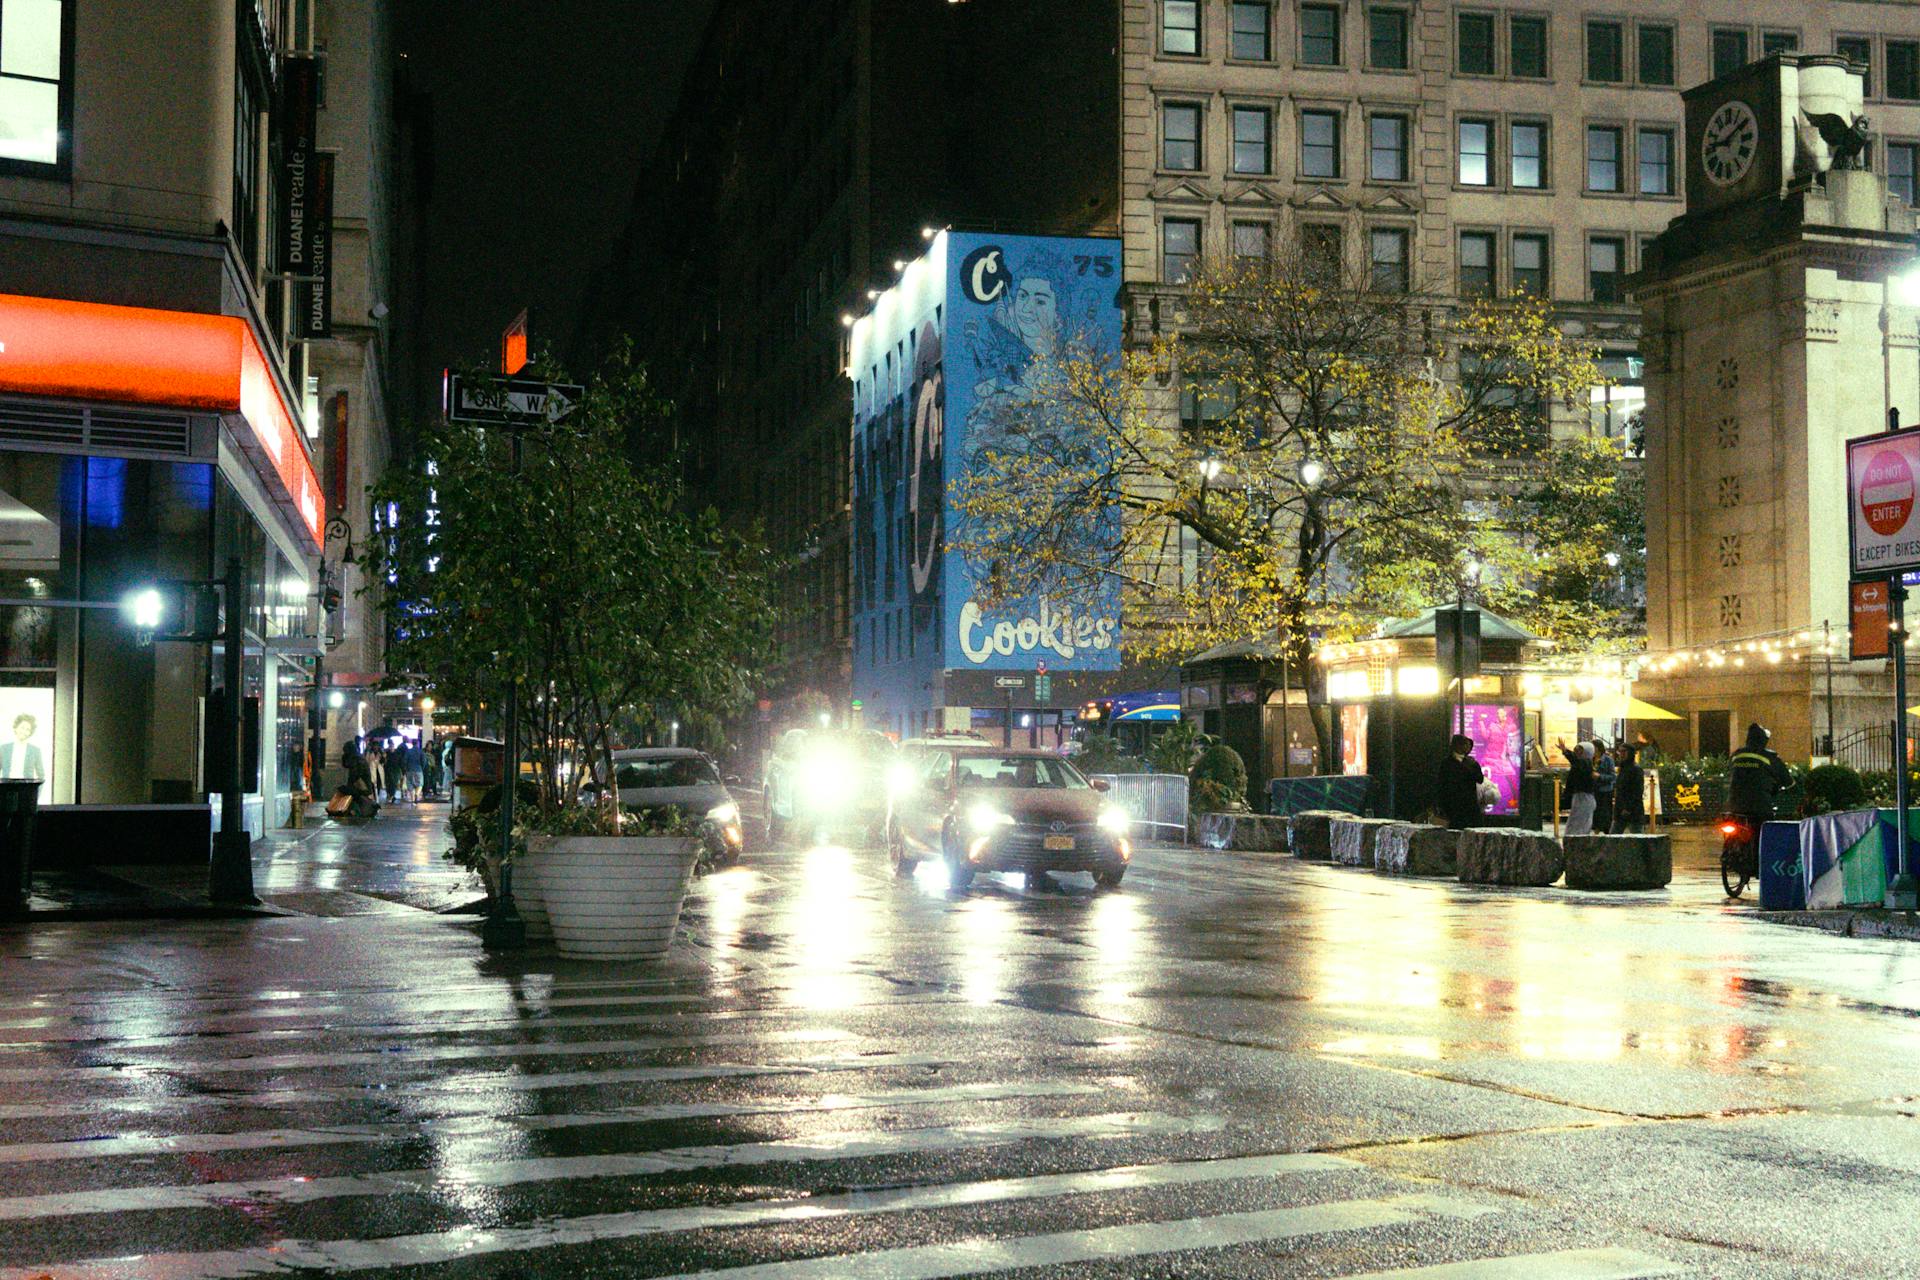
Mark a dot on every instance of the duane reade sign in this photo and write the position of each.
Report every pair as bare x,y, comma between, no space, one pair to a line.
1882,475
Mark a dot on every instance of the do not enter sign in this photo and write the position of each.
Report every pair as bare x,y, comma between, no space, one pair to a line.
1881,491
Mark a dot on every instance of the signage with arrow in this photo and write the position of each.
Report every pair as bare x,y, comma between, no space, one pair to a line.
512,401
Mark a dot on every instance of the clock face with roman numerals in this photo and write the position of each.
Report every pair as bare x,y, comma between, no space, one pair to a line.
1729,143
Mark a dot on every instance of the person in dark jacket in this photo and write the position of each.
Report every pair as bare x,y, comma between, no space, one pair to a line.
1630,791
1460,779
1758,775
1579,787
1603,779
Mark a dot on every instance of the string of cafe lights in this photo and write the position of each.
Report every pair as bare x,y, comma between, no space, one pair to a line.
1769,649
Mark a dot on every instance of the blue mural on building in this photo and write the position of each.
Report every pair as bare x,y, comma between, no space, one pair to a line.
940,365
1015,302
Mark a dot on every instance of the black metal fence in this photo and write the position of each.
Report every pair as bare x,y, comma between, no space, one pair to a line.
1868,750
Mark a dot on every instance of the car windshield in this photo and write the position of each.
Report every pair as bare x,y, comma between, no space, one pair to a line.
1019,771
673,771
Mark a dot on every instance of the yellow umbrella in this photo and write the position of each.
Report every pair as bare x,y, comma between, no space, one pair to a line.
1633,709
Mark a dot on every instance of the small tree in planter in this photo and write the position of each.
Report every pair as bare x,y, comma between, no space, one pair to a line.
578,577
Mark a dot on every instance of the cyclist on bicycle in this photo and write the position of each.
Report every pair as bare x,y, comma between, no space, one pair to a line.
1758,776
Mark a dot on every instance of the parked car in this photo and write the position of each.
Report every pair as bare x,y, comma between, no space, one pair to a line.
688,780
828,782
980,808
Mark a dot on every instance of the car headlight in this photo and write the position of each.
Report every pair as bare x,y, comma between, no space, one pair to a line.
985,819
1115,821
825,780
901,779
724,814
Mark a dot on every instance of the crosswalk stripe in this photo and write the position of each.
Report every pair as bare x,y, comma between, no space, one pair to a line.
1103,1244
841,1145
505,1020
143,1002
492,1124
1564,1264
463,1242
480,1086
412,1054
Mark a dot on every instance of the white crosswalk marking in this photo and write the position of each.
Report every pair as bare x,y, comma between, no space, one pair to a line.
428,1248
403,1055
848,1145
1565,1264
494,1126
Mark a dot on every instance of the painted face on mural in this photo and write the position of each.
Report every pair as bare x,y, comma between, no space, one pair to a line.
1036,315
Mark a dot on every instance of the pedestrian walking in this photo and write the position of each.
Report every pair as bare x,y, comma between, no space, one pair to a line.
1460,779
415,763
377,771
1629,792
1579,787
1603,783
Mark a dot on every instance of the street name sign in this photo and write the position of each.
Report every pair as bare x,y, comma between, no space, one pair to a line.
1009,682
1883,536
510,400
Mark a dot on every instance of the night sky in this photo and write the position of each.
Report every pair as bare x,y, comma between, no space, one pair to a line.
542,115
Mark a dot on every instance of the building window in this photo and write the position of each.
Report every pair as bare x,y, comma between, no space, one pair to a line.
1605,60
1387,149
1252,134
1900,169
1320,35
1529,150
1857,49
1180,136
246,168
1320,144
1729,50
1529,264
1476,153
1603,158
1655,150
1778,42
32,129
1387,39
1179,248
1253,240
1476,264
1606,267
1180,27
1527,47
1387,259
1252,23
1320,247
1903,69
1656,54
1475,41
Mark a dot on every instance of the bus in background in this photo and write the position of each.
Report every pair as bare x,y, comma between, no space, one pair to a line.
1134,719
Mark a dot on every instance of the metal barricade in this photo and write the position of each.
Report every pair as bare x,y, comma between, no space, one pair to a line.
1157,802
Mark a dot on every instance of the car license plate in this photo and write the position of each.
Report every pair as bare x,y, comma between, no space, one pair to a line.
1057,842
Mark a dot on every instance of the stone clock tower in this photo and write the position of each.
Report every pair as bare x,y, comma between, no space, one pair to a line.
1771,335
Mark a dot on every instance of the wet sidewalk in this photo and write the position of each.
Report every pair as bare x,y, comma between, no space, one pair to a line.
392,864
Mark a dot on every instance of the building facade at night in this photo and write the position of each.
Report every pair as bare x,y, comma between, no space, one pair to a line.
1457,149
178,340
812,145
938,363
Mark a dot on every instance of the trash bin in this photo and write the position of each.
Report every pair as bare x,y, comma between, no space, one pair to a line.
19,802
1535,792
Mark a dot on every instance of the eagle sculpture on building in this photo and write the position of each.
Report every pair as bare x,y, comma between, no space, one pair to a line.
1846,139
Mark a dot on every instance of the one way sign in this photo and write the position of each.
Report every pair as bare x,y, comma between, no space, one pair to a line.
509,400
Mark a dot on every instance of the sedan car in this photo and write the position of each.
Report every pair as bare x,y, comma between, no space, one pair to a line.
685,779
824,781
991,809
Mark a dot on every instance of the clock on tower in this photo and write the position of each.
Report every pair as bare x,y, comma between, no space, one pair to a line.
1729,142
1755,132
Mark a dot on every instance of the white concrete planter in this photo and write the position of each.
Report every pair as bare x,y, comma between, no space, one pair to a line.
528,897
610,897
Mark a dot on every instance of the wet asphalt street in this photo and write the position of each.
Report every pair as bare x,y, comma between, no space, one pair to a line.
1234,1065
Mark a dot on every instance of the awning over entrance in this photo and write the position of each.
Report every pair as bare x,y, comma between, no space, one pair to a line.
183,359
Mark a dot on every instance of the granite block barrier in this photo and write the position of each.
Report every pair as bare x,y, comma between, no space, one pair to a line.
1499,855
1313,834
1619,862
1353,840
1405,849
1250,832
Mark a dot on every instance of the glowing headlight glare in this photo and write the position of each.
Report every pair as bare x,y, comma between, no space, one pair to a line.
985,819
901,779
826,779
1115,820
724,814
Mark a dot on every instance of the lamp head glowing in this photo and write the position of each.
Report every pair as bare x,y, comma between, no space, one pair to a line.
144,607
